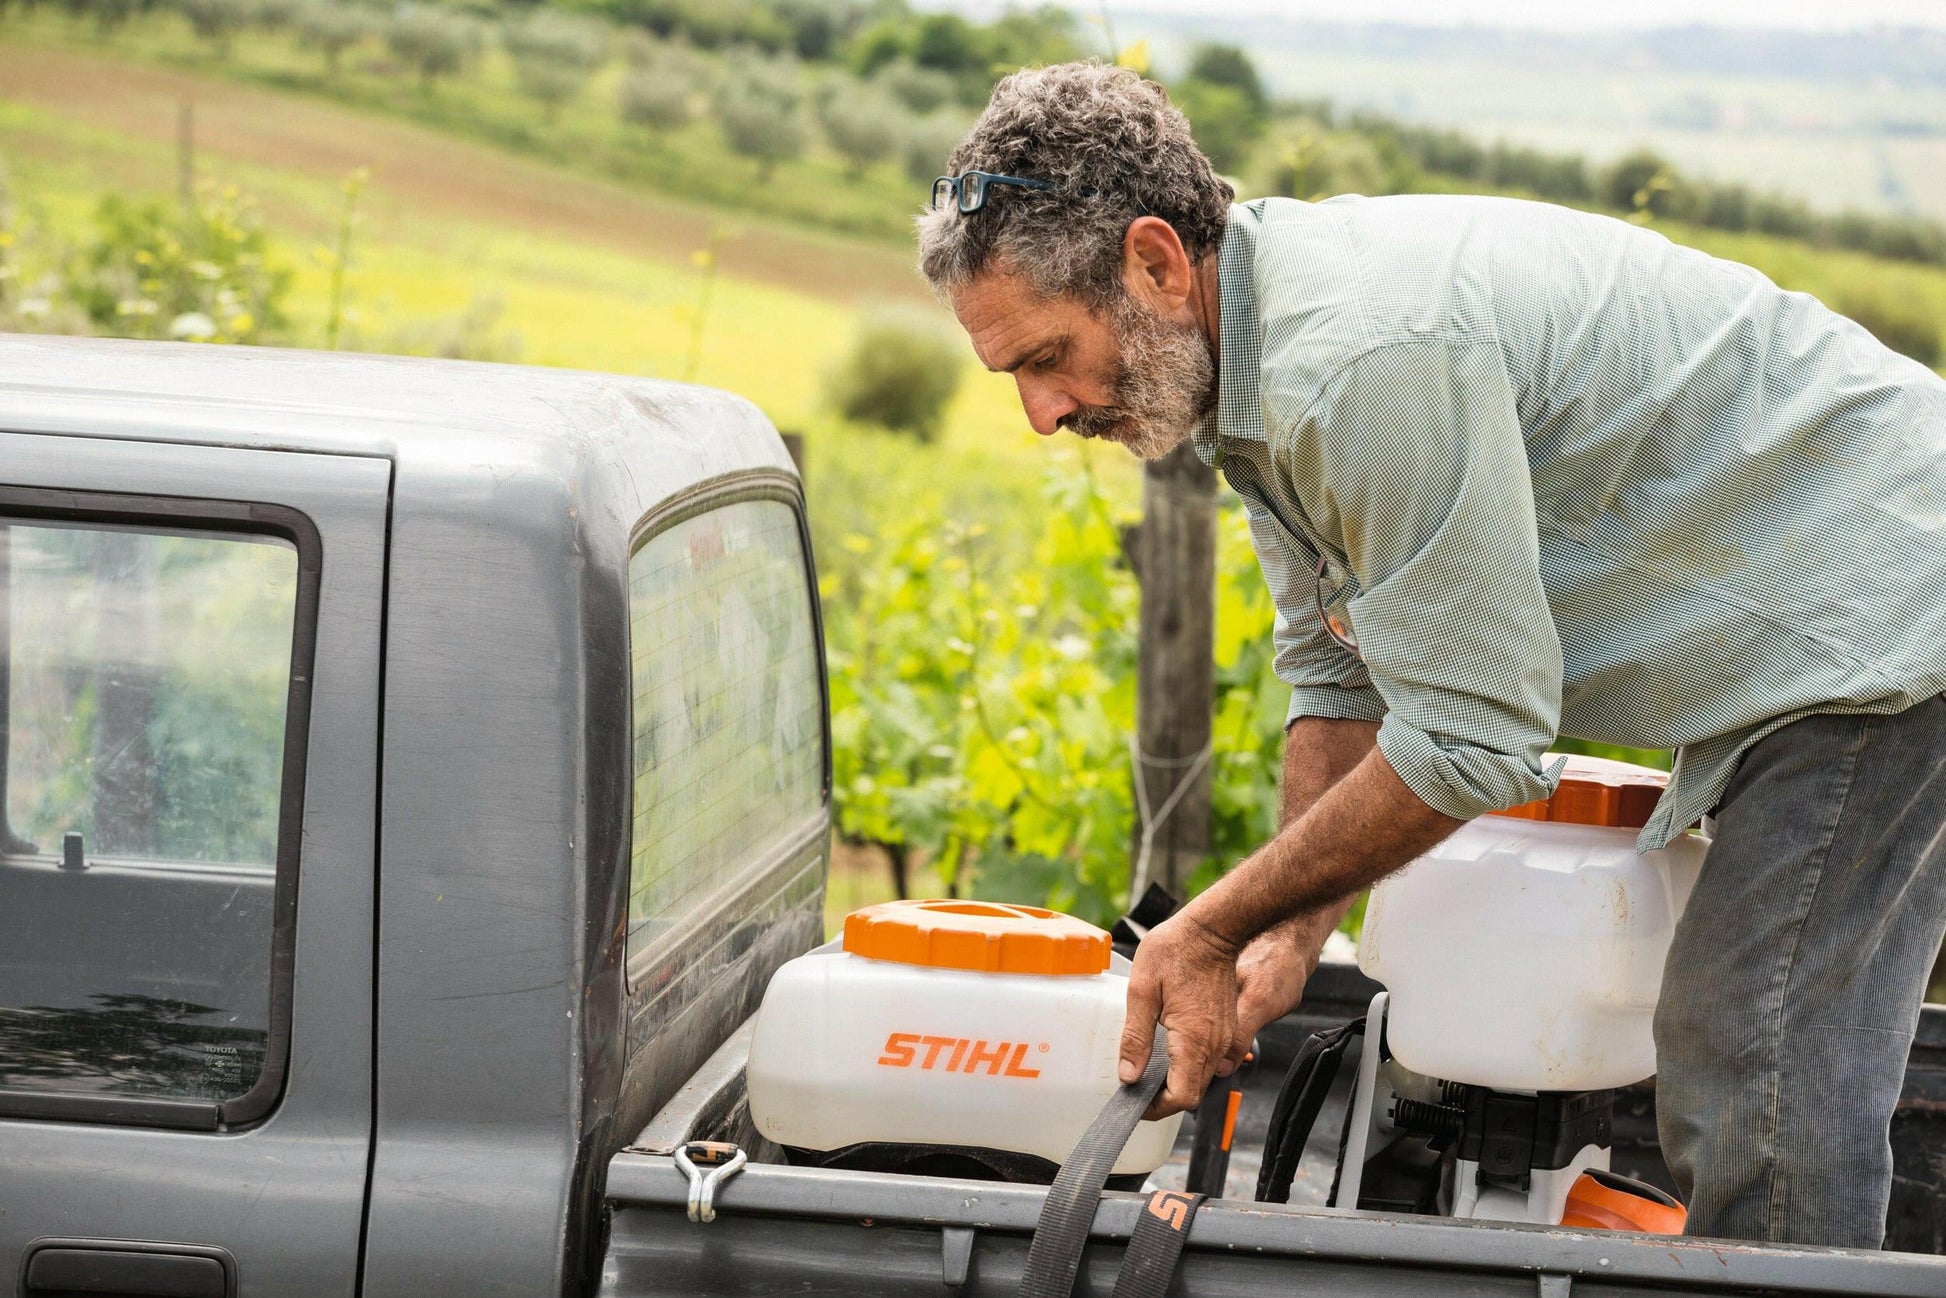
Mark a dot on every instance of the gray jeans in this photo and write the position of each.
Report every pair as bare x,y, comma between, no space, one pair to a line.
1793,985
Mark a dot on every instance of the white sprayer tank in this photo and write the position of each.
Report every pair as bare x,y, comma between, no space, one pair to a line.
1525,952
952,1023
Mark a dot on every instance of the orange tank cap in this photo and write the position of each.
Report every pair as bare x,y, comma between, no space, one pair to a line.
1597,791
1608,1201
984,936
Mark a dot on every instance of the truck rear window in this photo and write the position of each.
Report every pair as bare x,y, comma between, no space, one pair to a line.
144,684
728,706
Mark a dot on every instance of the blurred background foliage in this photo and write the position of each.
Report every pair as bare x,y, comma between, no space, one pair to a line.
723,190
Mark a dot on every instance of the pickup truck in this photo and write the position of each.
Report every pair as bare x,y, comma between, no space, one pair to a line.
411,773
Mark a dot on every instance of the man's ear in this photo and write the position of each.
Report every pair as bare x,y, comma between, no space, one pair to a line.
1155,266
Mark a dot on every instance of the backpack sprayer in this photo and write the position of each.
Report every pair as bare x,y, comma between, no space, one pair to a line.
1522,960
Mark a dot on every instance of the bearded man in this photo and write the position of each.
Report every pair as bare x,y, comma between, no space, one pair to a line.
1512,472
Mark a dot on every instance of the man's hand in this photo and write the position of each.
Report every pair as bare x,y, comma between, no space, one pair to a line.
1349,820
1186,976
1366,826
1271,974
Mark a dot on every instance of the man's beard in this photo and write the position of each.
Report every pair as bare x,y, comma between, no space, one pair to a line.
1164,386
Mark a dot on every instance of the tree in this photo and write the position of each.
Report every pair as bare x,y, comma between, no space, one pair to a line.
554,55
712,24
1641,181
1308,161
332,27
107,15
884,42
435,41
1556,176
1224,102
657,97
760,109
920,89
929,142
216,21
1791,218
663,17
660,87
1226,65
639,48
901,373
1223,121
863,124
1022,37
818,27
949,43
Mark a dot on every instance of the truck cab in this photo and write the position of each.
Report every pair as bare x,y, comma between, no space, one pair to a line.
411,772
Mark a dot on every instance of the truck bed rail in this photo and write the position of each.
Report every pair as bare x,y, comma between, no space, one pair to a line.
818,1230
800,1230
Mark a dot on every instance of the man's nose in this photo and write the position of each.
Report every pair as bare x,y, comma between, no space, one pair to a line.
1045,406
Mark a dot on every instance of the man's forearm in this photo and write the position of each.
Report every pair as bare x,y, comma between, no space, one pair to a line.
1365,826
1318,752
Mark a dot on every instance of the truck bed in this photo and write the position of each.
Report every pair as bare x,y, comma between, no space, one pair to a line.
824,1231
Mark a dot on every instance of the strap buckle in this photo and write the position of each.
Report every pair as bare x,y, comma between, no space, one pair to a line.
723,1160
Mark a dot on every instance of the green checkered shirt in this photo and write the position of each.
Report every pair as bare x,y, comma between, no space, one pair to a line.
1570,478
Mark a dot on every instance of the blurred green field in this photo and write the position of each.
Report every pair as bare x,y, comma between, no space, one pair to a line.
467,242
614,212
1806,138
483,104
623,296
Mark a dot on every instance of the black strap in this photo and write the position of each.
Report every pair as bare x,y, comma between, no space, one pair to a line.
1156,905
1296,1111
1156,1245
1054,1255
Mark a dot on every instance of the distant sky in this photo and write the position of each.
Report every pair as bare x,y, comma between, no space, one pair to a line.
1552,15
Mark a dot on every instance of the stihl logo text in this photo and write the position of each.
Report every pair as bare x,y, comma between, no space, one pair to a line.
1170,1208
957,1055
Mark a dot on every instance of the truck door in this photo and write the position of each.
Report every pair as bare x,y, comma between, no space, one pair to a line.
189,685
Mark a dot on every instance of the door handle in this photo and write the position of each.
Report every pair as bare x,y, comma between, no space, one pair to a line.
127,1269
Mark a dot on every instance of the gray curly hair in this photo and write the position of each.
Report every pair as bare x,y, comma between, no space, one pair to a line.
1081,126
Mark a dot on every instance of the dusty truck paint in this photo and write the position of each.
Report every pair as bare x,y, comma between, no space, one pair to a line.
467,1048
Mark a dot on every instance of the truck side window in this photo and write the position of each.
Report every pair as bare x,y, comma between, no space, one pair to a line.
145,677
729,710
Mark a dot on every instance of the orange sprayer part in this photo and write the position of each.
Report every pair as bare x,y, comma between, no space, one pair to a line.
1605,1201
1596,791
987,937
1230,1119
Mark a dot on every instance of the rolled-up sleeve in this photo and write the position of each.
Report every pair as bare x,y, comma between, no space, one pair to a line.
1422,471
1325,680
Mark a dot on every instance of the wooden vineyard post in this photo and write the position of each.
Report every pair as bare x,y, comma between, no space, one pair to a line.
1175,559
